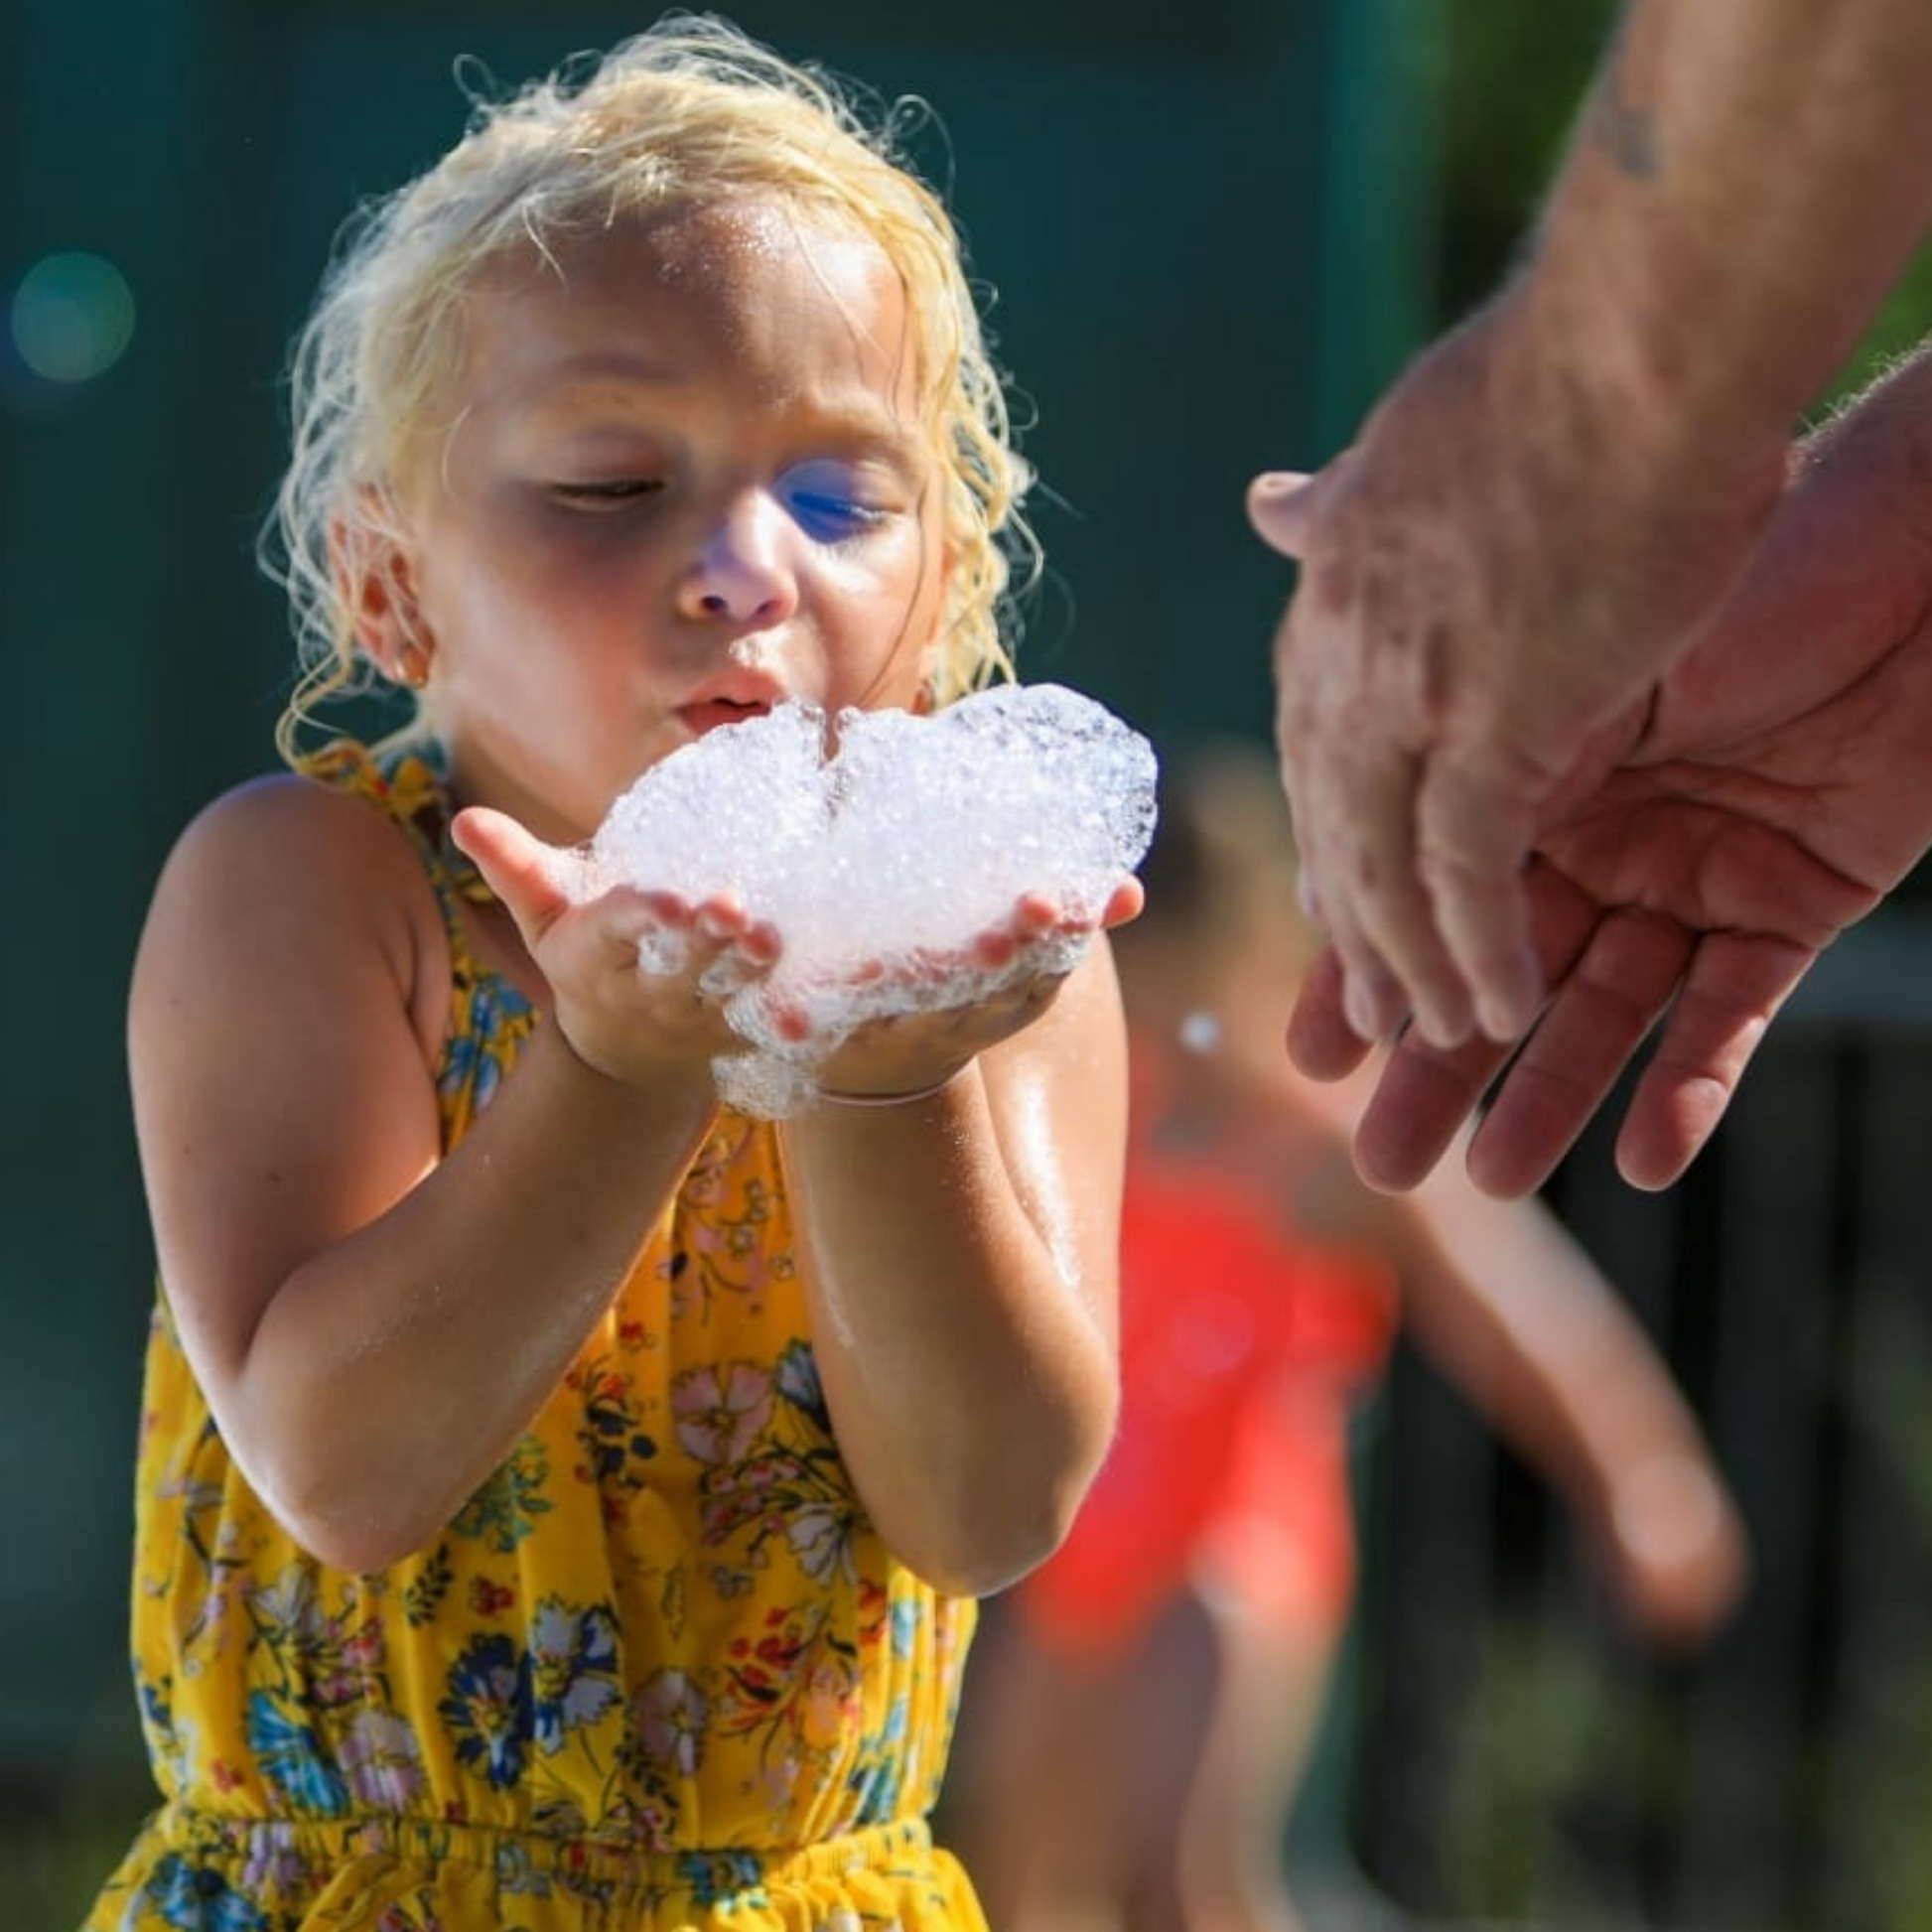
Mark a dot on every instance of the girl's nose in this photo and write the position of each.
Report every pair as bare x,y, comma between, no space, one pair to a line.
742,571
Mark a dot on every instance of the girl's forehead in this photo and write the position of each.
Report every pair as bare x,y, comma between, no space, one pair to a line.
751,280
701,247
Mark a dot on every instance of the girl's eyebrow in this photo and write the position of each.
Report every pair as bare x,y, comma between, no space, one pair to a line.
600,393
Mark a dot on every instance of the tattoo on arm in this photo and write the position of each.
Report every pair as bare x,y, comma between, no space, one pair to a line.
1622,129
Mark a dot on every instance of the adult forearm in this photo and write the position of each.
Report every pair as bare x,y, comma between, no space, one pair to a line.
1746,181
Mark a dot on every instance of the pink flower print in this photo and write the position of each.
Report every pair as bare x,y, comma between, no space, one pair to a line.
721,1411
273,1863
380,1760
672,1714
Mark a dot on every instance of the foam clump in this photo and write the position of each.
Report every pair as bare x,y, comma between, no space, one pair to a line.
881,864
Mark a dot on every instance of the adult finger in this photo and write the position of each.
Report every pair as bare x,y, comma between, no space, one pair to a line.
1419,1105
1319,1040
1599,1015
1355,822
1472,841
1734,989
1427,1092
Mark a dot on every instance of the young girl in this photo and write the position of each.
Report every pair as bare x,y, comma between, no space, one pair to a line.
561,1499
1138,1714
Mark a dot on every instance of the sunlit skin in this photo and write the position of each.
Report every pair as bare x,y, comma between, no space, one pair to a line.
744,461
684,476
1535,526
718,499
1771,792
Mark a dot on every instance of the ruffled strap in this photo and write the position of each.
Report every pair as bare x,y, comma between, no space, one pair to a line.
409,785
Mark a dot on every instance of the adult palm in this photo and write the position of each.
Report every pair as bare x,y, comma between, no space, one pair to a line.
1705,850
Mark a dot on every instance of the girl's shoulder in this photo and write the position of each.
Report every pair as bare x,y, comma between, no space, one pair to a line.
285,832
292,866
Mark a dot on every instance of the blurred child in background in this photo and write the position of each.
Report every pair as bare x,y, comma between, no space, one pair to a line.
1141,1710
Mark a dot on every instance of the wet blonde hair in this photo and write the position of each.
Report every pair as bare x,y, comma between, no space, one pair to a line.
690,110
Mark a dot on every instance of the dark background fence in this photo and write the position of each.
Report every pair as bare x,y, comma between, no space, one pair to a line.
1512,1755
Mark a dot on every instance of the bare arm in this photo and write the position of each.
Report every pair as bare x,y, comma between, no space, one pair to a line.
962,1258
1743,185
1514,1312
1538,518
373,1326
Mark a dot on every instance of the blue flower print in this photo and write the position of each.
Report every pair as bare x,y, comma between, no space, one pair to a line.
290,1756
488,1709
798,1383
730,1879
902,1627
197,1898
475,1057
573,1668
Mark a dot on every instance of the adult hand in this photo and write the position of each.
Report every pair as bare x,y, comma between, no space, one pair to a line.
1493,577
1693,869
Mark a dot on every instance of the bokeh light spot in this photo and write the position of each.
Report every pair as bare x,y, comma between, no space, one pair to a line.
73,316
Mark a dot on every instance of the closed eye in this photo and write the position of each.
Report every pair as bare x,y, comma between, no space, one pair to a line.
833,500
830,518
607,492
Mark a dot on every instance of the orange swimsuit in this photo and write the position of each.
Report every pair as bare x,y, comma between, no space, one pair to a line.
1243,1350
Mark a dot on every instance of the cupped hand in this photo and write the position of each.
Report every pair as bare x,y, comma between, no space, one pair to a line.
997,983
1686,881
638,979
1491,580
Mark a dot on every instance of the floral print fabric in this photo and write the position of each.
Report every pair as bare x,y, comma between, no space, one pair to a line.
659,1671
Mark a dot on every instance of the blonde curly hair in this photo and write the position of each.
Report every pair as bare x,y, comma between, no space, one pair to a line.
691,110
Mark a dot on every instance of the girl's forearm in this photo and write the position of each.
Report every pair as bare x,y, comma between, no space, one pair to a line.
391,1373
969,1368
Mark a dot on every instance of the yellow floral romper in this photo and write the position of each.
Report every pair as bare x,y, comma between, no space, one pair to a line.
658,1672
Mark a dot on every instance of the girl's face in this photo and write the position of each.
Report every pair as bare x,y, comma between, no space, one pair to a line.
686,480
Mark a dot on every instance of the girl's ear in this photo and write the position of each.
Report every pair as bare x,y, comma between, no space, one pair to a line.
375,581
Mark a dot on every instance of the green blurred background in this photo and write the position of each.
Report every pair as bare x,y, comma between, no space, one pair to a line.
1212,240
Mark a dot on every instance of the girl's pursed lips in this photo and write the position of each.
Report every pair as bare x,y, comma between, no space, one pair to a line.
731,701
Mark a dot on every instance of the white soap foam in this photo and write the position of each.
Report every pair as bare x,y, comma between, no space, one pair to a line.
879,863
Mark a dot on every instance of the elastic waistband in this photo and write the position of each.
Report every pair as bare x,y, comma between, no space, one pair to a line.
582,1863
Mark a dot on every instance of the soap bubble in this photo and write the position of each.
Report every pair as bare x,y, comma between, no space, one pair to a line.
878,862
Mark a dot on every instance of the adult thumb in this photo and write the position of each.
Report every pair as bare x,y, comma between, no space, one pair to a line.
1279,504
